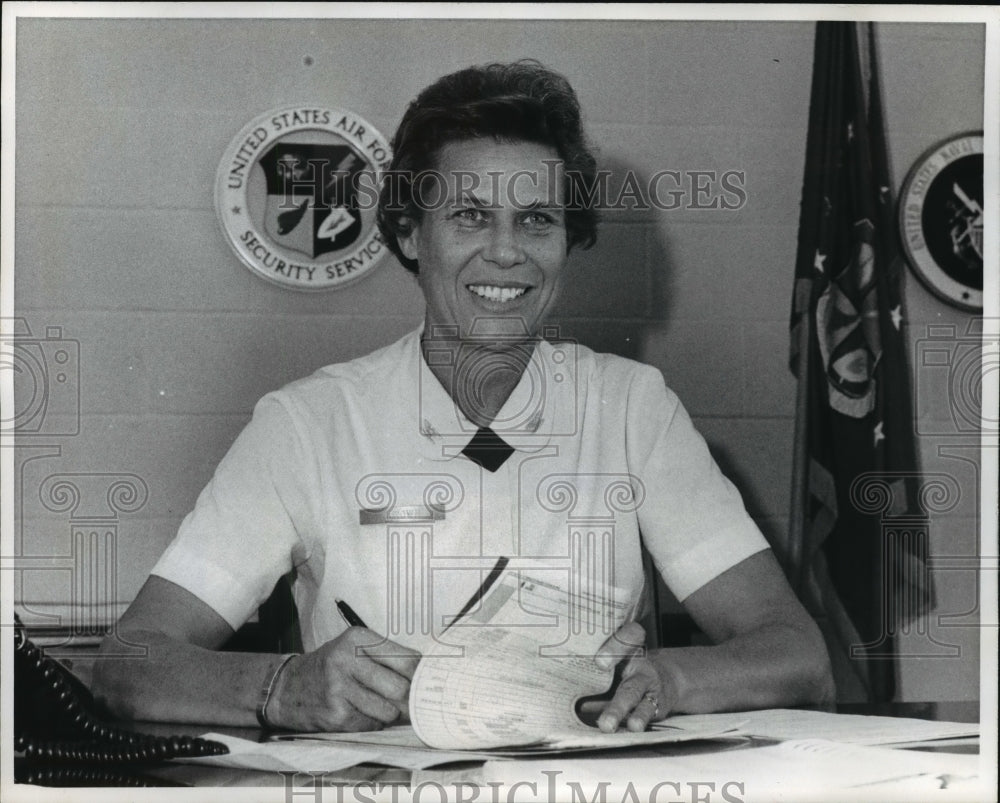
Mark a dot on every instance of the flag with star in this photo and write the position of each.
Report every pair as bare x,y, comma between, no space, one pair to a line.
848,350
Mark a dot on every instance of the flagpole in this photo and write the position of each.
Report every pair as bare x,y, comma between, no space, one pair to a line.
800,459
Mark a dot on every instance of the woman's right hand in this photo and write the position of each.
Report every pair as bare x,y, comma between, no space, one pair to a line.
355,682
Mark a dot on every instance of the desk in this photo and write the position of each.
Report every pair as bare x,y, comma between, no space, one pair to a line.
457,780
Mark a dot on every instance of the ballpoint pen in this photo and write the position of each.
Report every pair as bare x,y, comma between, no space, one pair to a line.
352,619
485,586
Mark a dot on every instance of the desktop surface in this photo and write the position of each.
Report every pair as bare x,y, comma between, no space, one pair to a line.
175,773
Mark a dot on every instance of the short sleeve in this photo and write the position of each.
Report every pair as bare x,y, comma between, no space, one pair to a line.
692,518
244,532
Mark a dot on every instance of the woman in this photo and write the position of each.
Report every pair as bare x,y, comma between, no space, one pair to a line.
451,442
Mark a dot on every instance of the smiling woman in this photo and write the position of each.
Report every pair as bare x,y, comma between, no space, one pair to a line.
517,103
490,258
395,481
498,248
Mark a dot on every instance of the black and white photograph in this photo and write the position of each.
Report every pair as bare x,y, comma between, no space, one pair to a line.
506,403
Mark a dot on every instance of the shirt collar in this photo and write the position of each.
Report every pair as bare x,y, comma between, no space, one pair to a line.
542,403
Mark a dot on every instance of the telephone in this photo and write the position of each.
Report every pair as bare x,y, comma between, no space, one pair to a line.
59,736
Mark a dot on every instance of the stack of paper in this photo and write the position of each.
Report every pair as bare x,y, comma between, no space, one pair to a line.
400,747
787,724
801,771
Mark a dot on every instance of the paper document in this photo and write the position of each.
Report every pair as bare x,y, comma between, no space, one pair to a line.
507,675
511,672
801,771
313,755
783,724
404,738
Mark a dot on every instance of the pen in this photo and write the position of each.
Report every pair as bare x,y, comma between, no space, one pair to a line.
349,615
486,585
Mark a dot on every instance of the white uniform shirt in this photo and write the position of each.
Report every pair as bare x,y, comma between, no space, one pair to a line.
604,451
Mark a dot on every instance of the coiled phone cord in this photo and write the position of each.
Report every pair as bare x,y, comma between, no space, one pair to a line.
84,737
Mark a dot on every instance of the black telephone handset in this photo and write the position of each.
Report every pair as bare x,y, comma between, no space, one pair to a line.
58,734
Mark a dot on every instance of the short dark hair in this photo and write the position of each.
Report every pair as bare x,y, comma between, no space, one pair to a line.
519,101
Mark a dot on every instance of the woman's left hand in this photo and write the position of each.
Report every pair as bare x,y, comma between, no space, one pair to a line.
642,696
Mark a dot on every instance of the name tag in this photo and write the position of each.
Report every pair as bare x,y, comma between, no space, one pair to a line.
400,514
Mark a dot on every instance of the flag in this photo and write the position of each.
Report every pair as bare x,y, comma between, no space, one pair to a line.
848,350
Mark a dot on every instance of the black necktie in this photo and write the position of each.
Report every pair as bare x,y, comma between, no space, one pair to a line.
488,449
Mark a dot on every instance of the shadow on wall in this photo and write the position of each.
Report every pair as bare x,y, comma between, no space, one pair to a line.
618,289
623,294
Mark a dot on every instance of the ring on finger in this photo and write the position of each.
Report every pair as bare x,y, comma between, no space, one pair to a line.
649,697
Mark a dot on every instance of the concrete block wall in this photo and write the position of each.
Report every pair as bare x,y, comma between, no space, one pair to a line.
120,128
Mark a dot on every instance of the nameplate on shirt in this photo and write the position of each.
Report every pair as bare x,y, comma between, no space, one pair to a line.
400,513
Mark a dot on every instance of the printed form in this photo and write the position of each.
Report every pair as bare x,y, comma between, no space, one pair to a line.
511,672
507,675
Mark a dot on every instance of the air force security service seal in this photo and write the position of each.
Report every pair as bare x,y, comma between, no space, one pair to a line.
296,194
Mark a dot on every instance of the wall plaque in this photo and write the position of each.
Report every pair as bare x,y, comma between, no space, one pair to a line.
296,194
941,220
